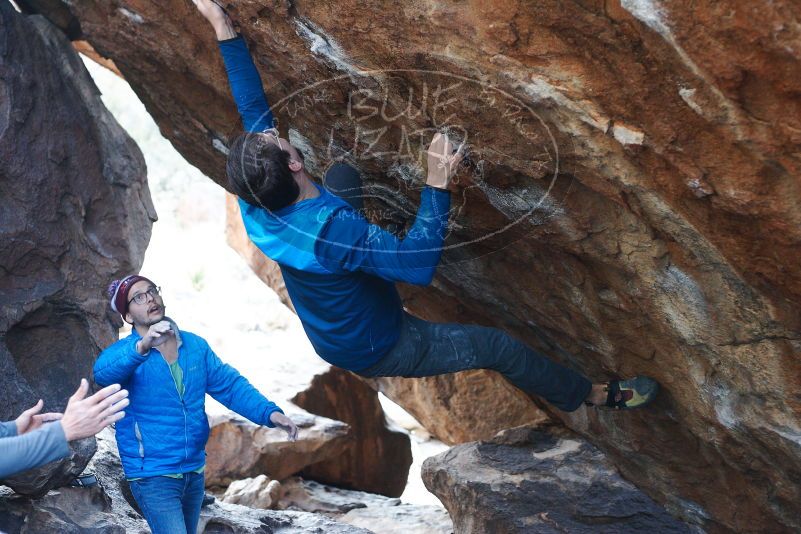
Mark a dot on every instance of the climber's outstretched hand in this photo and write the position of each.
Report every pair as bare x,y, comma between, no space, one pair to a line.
443,161
210,9
217,17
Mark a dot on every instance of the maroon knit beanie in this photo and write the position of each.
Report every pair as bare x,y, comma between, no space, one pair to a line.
118,292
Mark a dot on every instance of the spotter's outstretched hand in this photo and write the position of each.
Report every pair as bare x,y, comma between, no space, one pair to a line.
286,424
86,416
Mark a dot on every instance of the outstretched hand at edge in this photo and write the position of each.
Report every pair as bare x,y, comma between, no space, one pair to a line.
443,161
286,424
217,17
31,419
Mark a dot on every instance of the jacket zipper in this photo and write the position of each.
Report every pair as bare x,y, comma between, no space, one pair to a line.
138,435
183,406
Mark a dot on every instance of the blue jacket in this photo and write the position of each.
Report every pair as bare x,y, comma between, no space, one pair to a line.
338,268
163,433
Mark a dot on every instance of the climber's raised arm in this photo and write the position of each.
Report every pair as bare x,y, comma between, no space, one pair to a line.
242,74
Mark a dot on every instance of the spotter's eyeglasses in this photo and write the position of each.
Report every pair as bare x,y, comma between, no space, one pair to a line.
141,298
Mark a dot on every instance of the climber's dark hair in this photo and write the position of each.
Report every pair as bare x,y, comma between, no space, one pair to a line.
258,172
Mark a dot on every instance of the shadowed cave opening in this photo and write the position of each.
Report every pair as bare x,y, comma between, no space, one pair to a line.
37,343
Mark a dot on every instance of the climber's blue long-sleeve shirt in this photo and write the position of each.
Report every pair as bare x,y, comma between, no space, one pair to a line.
338,268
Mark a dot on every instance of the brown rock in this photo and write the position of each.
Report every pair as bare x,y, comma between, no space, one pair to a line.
540,480
84,48
462,407
238,448
633,208
75,212
258,492
379,457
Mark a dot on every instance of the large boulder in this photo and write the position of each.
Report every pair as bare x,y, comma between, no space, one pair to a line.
540,480
76,211
238,448
632,207
379,456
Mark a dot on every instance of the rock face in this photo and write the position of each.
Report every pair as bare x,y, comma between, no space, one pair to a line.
107,509
462,407
238,448
379,457
75,212
633,206
540,480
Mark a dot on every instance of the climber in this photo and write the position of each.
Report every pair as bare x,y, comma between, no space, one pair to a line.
34,439
340,270
168,373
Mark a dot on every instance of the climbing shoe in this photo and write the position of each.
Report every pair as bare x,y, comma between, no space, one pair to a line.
632,393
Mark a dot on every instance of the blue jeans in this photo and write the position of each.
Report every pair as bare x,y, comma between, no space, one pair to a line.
345,182
427,349
170,505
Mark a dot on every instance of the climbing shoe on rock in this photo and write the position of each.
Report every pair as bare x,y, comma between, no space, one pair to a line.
631,393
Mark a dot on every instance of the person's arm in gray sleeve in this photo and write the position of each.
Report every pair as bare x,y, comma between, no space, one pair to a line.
83,417
8,429
42,446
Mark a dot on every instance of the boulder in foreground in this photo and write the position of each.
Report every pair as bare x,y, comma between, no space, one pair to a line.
239,449
540,480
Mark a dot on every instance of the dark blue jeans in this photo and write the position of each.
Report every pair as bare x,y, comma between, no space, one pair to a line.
345,182
427,349
170,505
